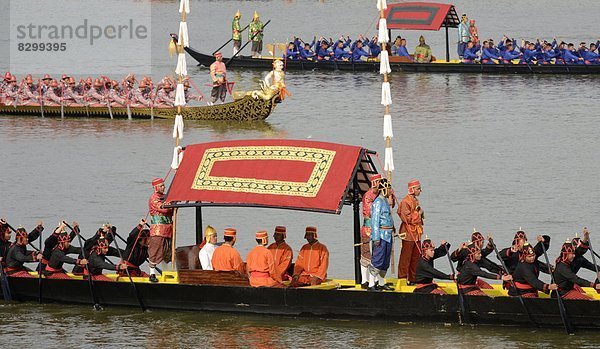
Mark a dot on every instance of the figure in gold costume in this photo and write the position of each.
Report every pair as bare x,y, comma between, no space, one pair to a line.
236,32
255,34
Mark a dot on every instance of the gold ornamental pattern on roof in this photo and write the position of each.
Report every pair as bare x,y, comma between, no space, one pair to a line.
322,159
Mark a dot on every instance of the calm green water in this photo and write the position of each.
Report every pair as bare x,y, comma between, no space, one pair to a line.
492,152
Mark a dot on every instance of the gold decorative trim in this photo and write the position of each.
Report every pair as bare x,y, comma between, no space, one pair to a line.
320,157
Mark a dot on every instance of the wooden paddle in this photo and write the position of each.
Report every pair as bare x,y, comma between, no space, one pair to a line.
41,98
137,294
90,279
125,242
29,243
228,41
40,270
513,282
462,315
585,231
5,285
246,44
561,306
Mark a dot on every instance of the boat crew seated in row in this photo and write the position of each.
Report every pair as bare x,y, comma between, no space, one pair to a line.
100,92
531,53
310,268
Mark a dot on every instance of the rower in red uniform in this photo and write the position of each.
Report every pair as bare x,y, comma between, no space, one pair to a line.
226,257
312,262
161,228
511,255
18,255
566,279
282,253
97,261
526,275
136,251
461,254
54,268
365,230
426,272
411,214
261,264
467,278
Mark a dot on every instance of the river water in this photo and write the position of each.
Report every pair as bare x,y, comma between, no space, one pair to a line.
492,152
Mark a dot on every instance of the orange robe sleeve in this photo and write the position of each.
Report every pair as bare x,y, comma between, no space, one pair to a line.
300,261
410,218
321,271
283,256
237,262
270,261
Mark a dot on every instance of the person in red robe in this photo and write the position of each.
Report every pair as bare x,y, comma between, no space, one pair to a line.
365,230
161,228
312,262
282,252
227,258
261,264
411,214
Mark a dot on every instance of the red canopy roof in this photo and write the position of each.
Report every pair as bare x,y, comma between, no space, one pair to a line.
421,16
292,174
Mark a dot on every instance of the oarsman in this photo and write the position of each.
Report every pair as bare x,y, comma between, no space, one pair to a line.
52,95
70,95
488,53
226,257
97,261
54,268
141,96
18,255
374,47
422,51
236,32
323,49
581,248
91,243
189,95
136,250
526,275
218,74
206,252
95,94
307,53
5,243
282,253
412,215
163,96
591,57
508,54
570,56
426,272
510,255
467,278
365,231
549,55
358,53
255,34
402,51
116,95
161,228
52,240
261,265
566,279
292,52
28,94
382,231
340,53
462,253
46,80
312,262
11,91
470,53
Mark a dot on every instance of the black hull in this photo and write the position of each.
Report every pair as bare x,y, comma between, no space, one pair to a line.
407,307
252,63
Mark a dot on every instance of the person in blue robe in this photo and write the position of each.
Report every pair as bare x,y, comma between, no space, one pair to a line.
382,231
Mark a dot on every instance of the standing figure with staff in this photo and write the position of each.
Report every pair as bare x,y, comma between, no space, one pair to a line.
236,32
255,33
161,228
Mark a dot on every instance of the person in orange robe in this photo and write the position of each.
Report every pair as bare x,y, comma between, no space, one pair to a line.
227,258
312,262
282,253
261,264
411,214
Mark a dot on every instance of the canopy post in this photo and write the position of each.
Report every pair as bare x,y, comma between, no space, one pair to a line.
447,46
198,225
356,207
174,239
